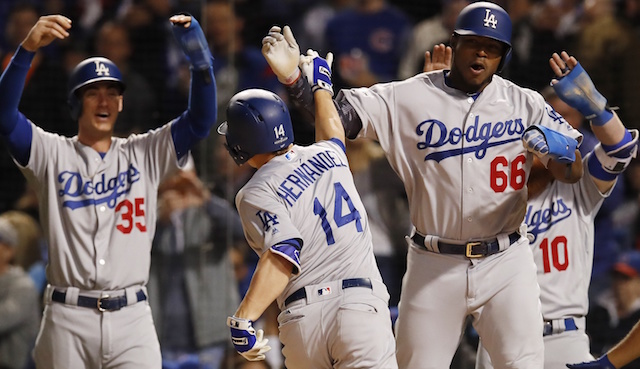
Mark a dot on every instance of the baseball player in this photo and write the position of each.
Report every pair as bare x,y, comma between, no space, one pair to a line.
462,141
97,198
302,215
560,220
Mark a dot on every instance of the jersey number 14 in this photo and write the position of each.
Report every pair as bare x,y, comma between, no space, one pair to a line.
341,220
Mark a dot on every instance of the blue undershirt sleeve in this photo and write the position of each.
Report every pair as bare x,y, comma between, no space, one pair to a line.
15,129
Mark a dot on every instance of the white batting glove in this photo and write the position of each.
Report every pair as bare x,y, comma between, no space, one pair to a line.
317,70
247,341
282,52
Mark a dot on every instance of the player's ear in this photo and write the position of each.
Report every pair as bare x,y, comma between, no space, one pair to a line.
120,104
453,41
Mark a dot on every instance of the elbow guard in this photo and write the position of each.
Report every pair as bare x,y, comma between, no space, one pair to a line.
607,163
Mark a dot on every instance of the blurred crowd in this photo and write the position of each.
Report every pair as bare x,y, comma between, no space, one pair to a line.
201,265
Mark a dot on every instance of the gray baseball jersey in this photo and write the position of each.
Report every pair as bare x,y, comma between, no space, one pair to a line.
560,223
309,194
465,170
99,215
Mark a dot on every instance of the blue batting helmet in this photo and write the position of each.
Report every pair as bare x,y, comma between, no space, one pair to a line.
89,71
258,122
488,20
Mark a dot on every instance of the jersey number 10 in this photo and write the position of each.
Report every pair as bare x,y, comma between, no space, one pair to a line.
341,220
551,253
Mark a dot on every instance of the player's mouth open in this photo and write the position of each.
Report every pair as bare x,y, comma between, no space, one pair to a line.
477,67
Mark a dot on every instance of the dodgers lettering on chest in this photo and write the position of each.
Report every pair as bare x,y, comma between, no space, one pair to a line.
107,193
441,141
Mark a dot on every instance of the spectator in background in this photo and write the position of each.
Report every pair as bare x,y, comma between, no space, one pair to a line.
609,50
313,24
192,278
151,40
31,251
367,42
534,39
428,33
19,304
112,41
621,307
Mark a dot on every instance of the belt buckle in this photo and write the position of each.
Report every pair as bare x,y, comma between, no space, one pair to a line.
99,303
469,250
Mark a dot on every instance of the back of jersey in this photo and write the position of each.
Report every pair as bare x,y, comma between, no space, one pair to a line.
309,194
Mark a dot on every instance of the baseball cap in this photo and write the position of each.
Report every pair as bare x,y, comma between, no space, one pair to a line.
628,264
8,234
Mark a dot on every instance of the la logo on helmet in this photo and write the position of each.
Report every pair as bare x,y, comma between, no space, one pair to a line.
490,19
102,69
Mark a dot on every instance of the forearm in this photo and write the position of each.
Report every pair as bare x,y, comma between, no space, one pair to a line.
567,173
269,280
202,102
328,124
627,350
610,133
11,87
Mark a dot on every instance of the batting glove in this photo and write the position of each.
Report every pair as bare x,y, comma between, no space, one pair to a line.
317,70
577,90
282,53
193,44
248,342
548,144
602,363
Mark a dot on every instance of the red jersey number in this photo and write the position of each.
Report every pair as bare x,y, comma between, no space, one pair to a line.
505,174
132,215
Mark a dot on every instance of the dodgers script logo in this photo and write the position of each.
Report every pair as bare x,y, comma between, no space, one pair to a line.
79,193
477,136
542,220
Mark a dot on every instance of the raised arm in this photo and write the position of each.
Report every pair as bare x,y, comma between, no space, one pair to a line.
317,71
14,127
618,146
282,52
201,114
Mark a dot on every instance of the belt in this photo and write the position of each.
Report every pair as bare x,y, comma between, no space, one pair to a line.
301,293
104,303
549,328
474,249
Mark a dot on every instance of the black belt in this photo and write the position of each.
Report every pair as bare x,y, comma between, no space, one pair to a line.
301,293
569,325
105,303
476,249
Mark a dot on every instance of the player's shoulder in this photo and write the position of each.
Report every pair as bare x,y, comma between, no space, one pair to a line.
514,90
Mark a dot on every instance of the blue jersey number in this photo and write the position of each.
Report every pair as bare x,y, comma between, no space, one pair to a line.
353,215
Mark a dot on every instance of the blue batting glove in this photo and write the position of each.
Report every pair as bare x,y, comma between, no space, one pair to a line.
602,363
577,90
317,70
247,341
193,44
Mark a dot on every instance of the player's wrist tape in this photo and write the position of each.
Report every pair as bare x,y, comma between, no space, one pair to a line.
243,335
577,90
292,78
194,44
608,161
